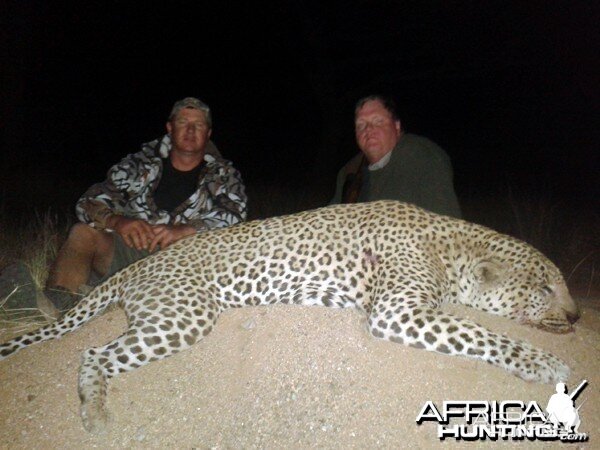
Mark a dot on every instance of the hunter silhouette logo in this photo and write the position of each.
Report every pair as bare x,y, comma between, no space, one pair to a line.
509,419
561,408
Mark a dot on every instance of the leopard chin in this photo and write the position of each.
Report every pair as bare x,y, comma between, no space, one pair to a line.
559,323
554,326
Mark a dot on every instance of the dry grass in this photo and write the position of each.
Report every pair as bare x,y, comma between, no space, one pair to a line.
568,234
35,243
47,238
570,238
17,326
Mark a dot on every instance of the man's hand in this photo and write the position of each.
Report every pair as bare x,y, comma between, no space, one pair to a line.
165,235
135,232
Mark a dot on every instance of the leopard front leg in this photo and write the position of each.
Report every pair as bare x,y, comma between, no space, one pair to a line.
92,393
151,337
132,350
421,326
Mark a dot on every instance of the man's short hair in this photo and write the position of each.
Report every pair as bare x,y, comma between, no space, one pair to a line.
191,103
387,102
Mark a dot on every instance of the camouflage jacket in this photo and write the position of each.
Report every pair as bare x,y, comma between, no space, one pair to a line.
219,200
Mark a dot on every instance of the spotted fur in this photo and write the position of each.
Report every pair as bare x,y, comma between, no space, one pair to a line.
395,262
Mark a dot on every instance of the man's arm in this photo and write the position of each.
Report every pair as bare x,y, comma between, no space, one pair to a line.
437,184
105,199
339,184
351,166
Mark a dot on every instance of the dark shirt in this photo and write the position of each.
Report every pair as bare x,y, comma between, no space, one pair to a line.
175,186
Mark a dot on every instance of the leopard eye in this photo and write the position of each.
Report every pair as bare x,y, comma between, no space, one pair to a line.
547,289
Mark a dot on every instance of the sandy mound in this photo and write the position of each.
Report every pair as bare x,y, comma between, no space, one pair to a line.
277,377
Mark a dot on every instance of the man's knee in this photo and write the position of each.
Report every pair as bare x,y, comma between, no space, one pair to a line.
85,237
82,234
92,248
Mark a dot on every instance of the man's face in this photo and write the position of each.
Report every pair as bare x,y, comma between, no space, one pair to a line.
189,131
376,131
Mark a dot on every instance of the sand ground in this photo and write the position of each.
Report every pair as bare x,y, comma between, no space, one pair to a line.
280,377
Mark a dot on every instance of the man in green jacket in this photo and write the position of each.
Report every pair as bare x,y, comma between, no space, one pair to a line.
395,165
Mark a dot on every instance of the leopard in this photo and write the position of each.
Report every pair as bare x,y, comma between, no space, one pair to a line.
395,262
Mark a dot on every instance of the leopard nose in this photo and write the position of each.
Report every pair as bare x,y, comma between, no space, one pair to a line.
565,302
572,317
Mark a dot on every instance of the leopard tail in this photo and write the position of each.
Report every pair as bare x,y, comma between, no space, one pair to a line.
89,307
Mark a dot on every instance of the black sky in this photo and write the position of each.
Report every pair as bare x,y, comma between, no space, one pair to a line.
508,88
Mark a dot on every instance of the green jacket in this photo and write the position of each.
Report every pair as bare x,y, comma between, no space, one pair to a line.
418,172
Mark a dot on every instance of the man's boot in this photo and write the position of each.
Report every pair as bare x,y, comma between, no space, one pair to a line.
46,306
61,298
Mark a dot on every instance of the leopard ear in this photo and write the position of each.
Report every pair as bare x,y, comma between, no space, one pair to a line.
487,271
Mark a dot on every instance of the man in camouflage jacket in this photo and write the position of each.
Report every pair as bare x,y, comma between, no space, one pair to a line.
218,201
174,187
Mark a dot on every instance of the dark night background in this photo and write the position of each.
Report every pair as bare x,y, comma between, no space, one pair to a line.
508,88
